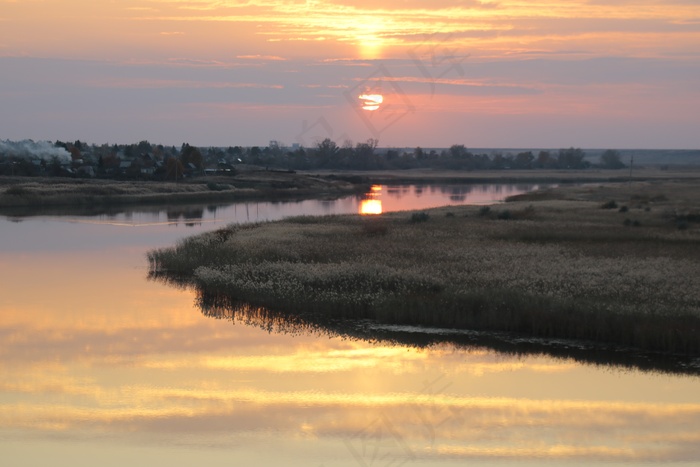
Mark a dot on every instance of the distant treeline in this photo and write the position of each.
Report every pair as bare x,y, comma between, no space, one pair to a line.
145,160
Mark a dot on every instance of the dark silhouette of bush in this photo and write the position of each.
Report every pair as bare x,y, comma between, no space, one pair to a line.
419,217
374,226
484,210
17,191
505,215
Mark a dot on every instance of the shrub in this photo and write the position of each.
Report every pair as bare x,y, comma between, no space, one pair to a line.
527,213
17,191
419,217
450,214
484,210
627,222
223,234
624,209
215,186
374,228
505,215
609,204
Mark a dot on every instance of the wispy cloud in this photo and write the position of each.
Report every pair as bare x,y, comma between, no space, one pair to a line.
261,57
177,84
511,53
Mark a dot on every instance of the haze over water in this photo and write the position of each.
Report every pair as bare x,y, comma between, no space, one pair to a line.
100,365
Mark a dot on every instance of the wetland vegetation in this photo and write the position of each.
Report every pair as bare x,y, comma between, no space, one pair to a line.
47,193
613,263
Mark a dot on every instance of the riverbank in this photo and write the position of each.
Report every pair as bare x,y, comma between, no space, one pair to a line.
257,183
32,192
613,263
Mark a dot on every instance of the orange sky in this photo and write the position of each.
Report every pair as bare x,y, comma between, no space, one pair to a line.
481,73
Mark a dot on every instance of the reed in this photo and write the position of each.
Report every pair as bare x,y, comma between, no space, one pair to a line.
42,192
558,267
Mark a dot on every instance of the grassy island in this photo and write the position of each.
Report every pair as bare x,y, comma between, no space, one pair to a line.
615,263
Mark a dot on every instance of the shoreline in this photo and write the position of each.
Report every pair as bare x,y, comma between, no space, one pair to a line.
613,263
582,351
27,193
24,194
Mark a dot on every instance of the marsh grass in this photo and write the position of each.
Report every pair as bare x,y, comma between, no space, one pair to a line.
16,190
420,217
559,268
43,192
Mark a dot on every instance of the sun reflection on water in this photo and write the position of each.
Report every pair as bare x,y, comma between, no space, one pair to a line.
372,203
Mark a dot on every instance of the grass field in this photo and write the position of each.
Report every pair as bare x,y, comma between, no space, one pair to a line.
614,263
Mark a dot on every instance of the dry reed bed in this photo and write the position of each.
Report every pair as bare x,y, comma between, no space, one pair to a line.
59,192
556,265
28,192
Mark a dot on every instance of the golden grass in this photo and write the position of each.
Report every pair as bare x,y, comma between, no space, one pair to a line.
557,265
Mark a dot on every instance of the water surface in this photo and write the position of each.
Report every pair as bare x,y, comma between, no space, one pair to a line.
100,365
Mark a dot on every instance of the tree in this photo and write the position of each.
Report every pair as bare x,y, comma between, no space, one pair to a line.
297,159
174,169
571,158
52,167
75,152
364,154
498,161
326,153
191,155
255,155
524,160
458,151
144,147
610,159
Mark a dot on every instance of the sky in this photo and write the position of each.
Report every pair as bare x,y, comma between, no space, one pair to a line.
618,74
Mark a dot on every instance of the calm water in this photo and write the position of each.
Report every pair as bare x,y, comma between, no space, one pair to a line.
100,366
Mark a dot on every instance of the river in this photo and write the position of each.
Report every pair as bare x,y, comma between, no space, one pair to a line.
99,365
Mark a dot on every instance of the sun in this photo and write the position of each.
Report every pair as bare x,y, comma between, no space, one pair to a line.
371,48
371,102
369,36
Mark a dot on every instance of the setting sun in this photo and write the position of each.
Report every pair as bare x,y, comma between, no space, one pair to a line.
485,73
371,101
